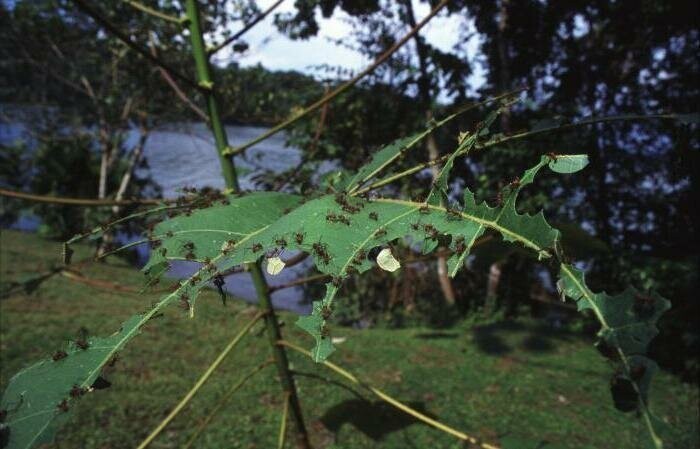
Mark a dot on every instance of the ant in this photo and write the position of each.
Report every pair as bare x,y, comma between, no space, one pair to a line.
643,305
373,216
155,243
326,312
431,231
190,255
58,355
460,247
350,270
514,184
415,226
381,232
424,209
63,406
281,242
553,156
341,199
453,214
82,343
337,281
169,234
76,391
219,283
256,247
113,361
325,332
299,237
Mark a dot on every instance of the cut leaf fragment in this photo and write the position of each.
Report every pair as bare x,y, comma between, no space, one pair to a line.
387,261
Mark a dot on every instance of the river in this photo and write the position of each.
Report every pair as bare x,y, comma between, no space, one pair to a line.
183,155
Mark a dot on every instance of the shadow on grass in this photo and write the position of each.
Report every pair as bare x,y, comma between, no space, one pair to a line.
374,419
504,337
437,335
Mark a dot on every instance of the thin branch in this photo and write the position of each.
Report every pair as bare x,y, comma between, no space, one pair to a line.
174,86
223,402
190,394
381,59
105,23
283,423
79,201
155,13
245,29
500,140
399,405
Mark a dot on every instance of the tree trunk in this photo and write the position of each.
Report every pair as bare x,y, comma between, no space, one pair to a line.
134,159
431,145
495,270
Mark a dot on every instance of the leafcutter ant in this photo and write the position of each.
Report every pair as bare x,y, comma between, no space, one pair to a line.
58,355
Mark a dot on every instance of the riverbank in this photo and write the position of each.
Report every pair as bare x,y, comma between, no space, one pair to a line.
495,380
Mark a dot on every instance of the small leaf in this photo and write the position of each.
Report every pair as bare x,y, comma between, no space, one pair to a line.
568,163
274,265
387,261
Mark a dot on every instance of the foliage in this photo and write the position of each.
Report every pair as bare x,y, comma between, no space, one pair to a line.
516,378
342,231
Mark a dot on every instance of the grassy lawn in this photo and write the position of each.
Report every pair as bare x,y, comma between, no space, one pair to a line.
493,380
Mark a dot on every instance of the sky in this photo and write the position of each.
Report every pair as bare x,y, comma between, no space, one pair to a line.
275,51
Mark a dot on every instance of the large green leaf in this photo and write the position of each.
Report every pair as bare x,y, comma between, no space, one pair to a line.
34,398
340,232
38,399
627,326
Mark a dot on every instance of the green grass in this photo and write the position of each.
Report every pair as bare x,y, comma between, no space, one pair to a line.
492,380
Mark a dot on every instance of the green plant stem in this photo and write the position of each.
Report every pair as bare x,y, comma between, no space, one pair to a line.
330,96
229,171
204,377
283,423
150,11
501,140
399,405
223,402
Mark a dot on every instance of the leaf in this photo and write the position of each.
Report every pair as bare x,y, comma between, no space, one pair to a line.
390,153
467,141
627,326
203,234
339,231
387,261
274,266
568,163
34,398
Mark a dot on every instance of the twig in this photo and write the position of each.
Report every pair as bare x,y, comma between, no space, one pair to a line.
173,85
223,402
245,29
500,140
283,423
399,405
155,13
105,23
381,59
190,394
79,201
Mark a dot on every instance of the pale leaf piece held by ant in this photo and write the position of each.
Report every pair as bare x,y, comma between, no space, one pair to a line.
274,265
387,261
